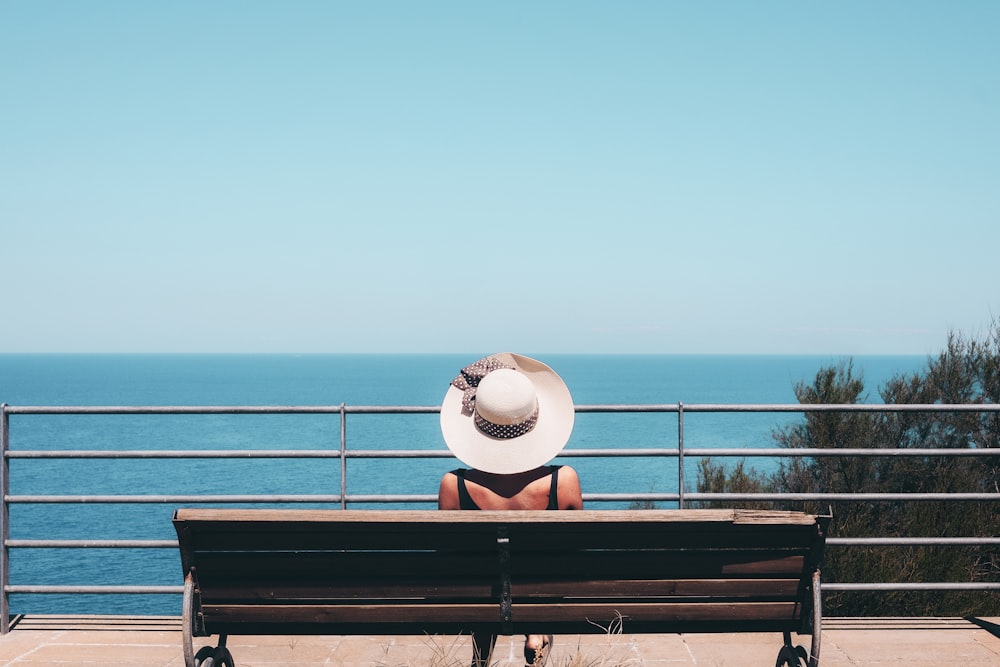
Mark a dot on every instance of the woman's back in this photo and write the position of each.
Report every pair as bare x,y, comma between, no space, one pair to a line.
547,487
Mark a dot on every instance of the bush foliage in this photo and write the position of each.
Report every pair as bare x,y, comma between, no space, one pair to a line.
966,372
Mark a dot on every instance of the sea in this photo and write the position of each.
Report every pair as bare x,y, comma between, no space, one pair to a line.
329,380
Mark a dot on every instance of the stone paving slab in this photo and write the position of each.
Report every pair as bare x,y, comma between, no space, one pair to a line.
107,641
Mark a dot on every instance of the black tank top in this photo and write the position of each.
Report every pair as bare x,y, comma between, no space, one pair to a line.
465,501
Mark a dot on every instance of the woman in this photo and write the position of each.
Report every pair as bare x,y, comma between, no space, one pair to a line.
506,416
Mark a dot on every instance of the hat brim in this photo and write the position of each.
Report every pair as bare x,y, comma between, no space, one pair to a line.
513,455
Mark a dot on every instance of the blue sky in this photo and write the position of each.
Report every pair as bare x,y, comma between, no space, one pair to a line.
662,177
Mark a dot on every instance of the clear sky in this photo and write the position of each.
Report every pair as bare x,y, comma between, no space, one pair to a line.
378,176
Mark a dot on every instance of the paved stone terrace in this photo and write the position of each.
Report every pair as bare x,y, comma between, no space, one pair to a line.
113,641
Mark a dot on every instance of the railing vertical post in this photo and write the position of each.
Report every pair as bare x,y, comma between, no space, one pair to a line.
4,520
680,455
343,457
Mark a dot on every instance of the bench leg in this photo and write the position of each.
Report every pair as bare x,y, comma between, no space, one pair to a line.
206,656
482,648
187,621
791,656
796,656
214,657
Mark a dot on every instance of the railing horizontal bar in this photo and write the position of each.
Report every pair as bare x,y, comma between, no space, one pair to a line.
70,499
92,544
426,498
298,453
841,496
102,590
695,497
844,407
278,409
846,451
566,453
429,409
614,453
217,409
890,586
632,497
356,499
592,497
911,541
443,453
176,409
176,454
663,407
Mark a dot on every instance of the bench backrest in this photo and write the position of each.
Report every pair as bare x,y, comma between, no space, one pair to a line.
400,572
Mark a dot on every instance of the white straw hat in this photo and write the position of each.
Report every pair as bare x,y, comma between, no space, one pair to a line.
507,413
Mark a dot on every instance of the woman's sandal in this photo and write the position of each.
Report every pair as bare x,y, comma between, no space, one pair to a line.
537,657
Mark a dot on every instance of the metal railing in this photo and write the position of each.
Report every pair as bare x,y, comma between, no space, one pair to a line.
342,454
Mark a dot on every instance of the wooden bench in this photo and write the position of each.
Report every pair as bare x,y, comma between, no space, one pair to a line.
348,572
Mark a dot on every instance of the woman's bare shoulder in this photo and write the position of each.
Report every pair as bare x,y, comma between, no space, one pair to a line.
448,492
570,493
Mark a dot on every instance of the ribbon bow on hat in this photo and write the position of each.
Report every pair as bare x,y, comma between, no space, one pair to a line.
469,378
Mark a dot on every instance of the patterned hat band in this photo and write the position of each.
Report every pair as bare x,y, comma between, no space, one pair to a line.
506,431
